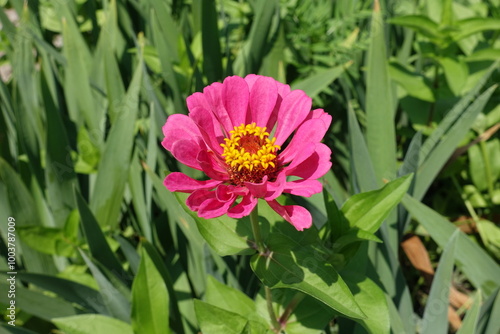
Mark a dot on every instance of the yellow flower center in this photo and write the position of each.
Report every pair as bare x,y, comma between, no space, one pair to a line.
249,153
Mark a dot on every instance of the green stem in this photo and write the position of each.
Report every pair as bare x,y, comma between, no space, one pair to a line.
487,167
254,219
270,309
297,298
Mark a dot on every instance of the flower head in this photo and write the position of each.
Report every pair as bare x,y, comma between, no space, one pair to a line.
249,135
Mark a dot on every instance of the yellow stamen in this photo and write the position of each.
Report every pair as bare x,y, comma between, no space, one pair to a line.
249,147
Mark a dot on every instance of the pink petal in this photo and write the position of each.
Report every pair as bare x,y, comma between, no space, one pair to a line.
209,128
303,187
250,79
298,216
243,208
186,151
267,189
197,100
178,127
212,208
311,131
213,94
294,108
225,192
181,182
315,166
307,150
196,199
211,167
320,114
235,97
263,96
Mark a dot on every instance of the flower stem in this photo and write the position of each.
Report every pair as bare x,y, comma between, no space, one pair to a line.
254,219
297,298
270,309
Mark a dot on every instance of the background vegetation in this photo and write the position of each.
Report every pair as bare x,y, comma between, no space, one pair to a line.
103,247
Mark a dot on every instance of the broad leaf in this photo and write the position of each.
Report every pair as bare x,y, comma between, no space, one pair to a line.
149,299
367,211
92,324
307,271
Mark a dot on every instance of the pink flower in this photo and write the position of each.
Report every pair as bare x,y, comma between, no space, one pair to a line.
248,135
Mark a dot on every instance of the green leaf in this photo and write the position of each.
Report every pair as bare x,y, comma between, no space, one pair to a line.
47,240
250,57
371,299
73,292
472,317
435,318
490,236
367,211
490,54
380,131
354,235
99,247
23,209
77,89
443,141
475,25
227,236
455,72
212,57
474,262
8,329
115,163
414,84
361,163
114,301
176,319
488,321
232,300
307,271
39,304
149,299
213,319
317,82
92,324
421,24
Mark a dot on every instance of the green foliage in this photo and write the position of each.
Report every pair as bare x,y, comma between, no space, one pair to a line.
103,247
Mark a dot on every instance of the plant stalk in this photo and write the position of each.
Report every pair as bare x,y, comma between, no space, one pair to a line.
254,220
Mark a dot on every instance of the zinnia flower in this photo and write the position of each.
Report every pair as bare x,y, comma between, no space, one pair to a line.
249,136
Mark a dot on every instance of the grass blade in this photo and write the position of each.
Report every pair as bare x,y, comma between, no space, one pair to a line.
114,167
446,144
435,318
380,132
475,263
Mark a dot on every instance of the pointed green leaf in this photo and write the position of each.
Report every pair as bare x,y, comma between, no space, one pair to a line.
149,299
306,271
317,82
113,169
440,145
99,247
435,318
71,291
474,262
380,132
92,324
213,319
472,317
114,301
367,211
421,24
